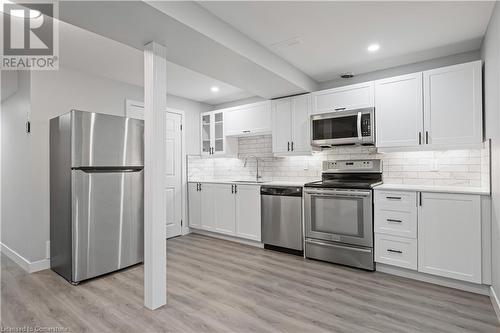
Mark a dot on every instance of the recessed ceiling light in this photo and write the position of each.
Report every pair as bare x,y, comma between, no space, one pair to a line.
214,89
373,47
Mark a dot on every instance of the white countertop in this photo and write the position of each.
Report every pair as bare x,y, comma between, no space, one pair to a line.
299,182
427,188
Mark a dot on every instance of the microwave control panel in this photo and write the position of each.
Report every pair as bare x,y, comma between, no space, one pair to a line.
366,125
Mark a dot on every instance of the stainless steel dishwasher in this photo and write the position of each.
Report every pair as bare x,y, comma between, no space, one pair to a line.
282,218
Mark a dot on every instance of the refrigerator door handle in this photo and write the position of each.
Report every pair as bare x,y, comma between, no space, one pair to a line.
108,169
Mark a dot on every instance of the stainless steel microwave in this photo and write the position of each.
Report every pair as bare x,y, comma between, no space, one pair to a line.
343,128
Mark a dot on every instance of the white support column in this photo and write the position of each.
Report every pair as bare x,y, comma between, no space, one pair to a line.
155,104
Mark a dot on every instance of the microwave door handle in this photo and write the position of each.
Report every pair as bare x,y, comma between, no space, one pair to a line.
360,137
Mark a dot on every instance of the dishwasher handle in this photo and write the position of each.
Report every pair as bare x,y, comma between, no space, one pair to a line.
289,191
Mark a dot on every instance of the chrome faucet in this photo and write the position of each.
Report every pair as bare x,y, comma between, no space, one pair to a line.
257,177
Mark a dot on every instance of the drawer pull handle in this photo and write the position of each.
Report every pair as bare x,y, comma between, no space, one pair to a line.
393,198
395,221
394,251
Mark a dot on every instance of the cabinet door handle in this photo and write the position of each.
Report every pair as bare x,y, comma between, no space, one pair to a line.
419,138
200,186
235,189
393,198
394,251
339,109
420,198
246,131
288,145
292,145
393,220
232,188
426,137
197,186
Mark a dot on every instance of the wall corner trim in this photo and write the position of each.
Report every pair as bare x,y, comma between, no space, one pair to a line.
495,301
28,266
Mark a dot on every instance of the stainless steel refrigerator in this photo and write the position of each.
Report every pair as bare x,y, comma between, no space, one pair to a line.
96,194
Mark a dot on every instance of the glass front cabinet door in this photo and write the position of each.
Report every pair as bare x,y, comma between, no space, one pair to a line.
213,139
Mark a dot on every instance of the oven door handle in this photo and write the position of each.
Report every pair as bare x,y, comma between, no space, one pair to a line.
340,193
360,136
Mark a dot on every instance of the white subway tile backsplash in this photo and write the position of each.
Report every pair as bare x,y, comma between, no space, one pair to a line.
469,168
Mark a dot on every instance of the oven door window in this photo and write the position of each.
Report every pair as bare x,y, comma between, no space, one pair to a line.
335,128
337,215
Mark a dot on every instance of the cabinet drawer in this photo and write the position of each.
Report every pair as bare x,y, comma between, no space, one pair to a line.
397,251
396,200
396,223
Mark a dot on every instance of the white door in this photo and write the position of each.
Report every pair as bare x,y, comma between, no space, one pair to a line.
282,125
173,173
207,206
224,208
453,104
449,236
194,200
301,123
399,111
248,212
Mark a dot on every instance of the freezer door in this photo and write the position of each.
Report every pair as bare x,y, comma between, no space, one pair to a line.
104,140
107,221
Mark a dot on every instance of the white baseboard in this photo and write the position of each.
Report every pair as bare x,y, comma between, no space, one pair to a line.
28,266
482,289
496,302
228,238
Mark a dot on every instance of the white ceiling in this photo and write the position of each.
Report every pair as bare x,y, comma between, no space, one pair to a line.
329,38
91,53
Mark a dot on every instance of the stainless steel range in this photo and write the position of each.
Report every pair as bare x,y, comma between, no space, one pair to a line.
339,213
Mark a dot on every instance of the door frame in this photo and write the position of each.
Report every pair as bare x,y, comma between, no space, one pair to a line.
129,103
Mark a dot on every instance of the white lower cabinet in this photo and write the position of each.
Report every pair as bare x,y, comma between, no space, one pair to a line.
224,206
434,233
449,236
194,205
207,210
228,209
248,212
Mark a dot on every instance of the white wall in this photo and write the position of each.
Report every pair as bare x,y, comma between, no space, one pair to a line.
25,158
490,53
19,207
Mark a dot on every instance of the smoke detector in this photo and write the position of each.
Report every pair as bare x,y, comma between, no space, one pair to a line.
347,75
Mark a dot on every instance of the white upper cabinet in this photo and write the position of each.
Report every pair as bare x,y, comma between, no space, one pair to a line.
213,138
434,109
398,111
250,119
449,236
355,96
291,125
282,125
453,104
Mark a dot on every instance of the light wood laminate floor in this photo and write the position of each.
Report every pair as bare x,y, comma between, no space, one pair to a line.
220,286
